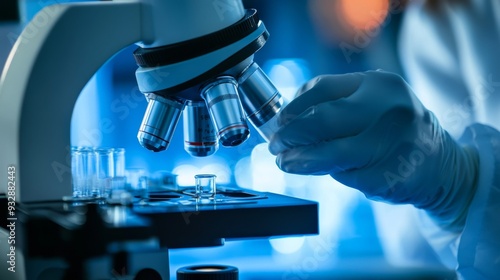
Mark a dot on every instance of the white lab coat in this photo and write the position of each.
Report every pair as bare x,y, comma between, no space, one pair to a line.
451,56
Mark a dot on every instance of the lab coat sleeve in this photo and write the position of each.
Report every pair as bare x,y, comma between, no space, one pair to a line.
475,250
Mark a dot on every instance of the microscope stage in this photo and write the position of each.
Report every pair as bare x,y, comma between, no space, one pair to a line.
166,219
232,214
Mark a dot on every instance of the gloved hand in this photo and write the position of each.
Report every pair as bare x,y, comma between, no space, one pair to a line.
370,132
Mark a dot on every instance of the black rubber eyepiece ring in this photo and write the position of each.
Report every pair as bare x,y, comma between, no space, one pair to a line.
165,55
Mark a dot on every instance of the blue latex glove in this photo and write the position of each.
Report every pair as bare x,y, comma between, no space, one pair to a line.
370,132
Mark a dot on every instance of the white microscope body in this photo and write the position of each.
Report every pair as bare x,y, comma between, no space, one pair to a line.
195,57
56,55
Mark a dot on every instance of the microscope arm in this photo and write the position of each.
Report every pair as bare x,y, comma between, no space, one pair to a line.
43,77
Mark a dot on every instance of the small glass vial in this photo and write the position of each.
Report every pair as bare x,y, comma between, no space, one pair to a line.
205,186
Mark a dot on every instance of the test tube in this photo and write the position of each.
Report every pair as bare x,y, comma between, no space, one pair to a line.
205,186
163,180
119,169
79,173
104,171
137,181
90,167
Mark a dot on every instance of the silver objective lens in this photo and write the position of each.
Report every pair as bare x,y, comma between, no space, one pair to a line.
224,107
200,136
159,122
260,99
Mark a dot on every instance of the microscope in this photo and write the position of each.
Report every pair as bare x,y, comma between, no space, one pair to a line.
195,58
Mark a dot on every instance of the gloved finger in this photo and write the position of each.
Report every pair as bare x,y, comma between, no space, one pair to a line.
327,157
321,89
322,122
363,150
308,85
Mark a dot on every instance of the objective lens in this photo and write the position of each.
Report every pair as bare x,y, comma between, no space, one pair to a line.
160,120
200,136
225,109
260,100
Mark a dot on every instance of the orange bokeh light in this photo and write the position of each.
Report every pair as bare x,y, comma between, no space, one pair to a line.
364,14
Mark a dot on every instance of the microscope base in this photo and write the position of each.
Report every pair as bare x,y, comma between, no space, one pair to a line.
99,240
